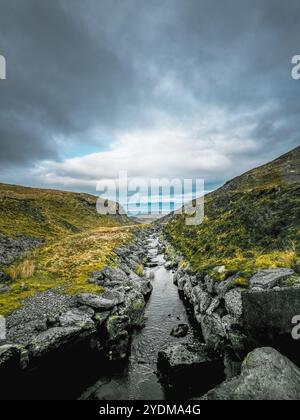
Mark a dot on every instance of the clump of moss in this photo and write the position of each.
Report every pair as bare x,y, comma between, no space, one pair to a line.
140,270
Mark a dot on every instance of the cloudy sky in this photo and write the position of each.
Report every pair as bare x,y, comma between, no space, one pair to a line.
160,88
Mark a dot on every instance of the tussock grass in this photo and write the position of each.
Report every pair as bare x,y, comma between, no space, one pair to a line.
66,263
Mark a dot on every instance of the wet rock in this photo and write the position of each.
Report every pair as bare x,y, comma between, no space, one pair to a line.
179,273
101,317
10,357
134,308
145,287
185,364
266,279
266,375
102,302
57,338
117,326
180,331
233,303
120,349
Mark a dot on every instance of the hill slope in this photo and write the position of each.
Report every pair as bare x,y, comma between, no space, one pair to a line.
48,214
251,222
75,241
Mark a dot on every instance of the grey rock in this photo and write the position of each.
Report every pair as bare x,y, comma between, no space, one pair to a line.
212,330
76,317
180,331
209,284
134,308
223,287
201,298
58,337
267,317
9,357
99,302
267,279
145,287
188,289
116,326
215,303
13,248
181,282
266,375
233,303
183,363
4,277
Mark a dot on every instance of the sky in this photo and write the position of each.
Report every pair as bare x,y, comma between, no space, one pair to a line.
158,88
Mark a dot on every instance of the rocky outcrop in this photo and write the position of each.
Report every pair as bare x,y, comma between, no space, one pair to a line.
240,319
13,248
266,375
51,322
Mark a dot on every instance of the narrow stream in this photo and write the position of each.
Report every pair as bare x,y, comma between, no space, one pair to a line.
165,310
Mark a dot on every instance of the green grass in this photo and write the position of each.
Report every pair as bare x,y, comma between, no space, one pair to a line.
66,263
252,222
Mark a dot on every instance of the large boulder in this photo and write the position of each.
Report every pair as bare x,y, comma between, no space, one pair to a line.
267,279
266,375
187,365
267,318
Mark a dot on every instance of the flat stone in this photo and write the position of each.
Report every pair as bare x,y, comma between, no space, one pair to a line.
267,279
99,302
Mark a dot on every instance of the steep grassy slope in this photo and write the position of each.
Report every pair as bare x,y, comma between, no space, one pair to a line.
251,222
49,213
76,241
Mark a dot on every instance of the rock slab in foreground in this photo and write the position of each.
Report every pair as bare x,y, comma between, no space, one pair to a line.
189,365
266,375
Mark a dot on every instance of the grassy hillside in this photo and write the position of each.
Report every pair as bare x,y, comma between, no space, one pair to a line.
49,213
77,241
251,222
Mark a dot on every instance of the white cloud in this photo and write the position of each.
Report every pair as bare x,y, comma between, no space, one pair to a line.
194,147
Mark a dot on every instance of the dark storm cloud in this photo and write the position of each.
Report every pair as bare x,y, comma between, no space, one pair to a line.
75,68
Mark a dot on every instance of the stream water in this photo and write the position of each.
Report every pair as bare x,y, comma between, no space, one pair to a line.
86,377
138,379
